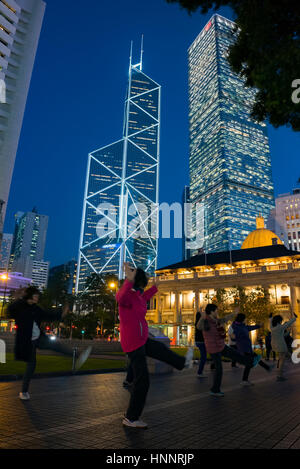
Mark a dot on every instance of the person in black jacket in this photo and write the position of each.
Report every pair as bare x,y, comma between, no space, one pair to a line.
199,341
28,317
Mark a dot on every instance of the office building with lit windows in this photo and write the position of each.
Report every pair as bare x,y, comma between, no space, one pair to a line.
29,241
230,165
5,251
20,26
284,219
120,214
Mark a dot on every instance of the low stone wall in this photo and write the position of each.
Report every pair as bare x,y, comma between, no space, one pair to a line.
100,347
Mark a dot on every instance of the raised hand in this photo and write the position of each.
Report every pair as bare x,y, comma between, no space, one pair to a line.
130,272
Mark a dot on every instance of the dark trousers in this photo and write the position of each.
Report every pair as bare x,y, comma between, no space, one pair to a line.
43,343
233,363
268,353
138,363
227,352
129,376
248,368
203,356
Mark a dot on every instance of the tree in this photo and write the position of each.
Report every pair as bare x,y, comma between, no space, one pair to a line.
98,303
266,54
256,304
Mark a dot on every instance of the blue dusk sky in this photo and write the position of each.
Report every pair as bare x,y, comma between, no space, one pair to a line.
76,103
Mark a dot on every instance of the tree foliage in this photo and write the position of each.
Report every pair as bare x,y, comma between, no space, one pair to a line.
266,54
256,304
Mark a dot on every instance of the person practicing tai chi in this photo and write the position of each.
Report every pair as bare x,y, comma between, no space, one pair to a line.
214,337
199,342
28,317
278,341
135,341
244,346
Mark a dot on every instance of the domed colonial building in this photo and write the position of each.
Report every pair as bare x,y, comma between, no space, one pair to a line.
261,237
186,286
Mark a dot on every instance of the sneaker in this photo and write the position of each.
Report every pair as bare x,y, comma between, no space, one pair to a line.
256,360
281,378
217,394
24,396
134,424
83,358
246,383
203,375
189,357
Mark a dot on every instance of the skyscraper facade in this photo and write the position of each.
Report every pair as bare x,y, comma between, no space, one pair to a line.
65,273
120,214
29,240
5,251
284,219
20,26
230,165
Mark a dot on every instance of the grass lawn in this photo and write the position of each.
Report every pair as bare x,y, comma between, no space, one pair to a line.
51,363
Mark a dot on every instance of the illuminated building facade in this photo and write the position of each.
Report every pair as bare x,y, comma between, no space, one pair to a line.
187,286
124,176
285,219
230,165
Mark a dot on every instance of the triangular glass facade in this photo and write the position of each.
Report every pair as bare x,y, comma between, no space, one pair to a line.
120,215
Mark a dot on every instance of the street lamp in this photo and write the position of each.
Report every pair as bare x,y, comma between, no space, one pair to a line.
4,278
114,286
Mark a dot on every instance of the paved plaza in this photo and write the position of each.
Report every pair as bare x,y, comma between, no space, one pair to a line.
86,412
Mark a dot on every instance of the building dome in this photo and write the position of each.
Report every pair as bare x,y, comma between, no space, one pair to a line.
261,236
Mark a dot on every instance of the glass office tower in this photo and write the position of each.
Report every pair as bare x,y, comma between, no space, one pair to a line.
230,165
120,215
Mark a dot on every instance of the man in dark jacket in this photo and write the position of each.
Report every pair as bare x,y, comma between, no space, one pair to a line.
28,317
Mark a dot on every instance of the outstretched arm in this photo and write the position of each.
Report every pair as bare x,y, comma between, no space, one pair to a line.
226,318
288,323
253,328
147,295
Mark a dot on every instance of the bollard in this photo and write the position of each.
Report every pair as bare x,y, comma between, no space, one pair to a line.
75,350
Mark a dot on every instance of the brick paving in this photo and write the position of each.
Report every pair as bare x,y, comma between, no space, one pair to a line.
86,411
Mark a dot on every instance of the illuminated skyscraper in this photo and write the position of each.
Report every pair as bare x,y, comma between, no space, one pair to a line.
20,27
124,176
230,165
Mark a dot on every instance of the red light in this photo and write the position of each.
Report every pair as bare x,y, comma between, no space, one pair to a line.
208,26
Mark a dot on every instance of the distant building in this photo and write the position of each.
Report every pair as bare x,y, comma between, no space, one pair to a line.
120,215
5,251
14,282
187,286
68,274
186,252
230,164
284,220
38,271
29,239
20,26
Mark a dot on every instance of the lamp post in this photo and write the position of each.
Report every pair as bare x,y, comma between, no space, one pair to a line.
113,286
4,278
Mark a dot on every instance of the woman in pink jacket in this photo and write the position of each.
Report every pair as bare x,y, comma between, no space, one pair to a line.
132,300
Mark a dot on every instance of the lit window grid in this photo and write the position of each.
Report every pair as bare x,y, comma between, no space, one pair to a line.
225,144
129,166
